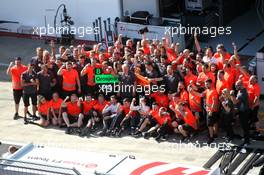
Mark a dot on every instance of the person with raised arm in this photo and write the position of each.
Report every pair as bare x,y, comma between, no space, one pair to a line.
15,71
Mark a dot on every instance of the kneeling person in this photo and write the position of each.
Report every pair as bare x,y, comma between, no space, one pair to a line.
71,113
188,124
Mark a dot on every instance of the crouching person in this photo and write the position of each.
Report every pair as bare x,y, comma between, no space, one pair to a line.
118,123
88,113
187,123
109,112
43,111
71,113
162,126
55,109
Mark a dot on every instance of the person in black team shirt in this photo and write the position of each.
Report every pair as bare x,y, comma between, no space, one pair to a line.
37,60
171,80
45,82
127,79
29,84
241,100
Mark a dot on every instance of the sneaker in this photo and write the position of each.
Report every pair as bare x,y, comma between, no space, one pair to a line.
133,131
16,116
102,133
78,130
158,138
25,121
146,135
83,132
108,133
68,130
93,129
183,138
138,134
119,133
34,117
210,140
88,131
113,132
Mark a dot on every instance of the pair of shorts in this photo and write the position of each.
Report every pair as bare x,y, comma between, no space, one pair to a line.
187,128
72,119
213,119
33,98
17,94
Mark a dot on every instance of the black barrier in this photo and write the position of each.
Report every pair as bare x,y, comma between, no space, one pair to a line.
239,158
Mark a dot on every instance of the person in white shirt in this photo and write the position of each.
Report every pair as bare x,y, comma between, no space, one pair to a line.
109,112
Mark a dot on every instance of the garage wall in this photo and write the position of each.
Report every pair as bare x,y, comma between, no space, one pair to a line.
83,12
152,6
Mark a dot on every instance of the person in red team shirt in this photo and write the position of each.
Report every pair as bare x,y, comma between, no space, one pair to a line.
87,110
254,95
221,83
189,76
182,56
117,125
55,109
221,55
195,104
149,120
229,75
72,113
244,76
15,71
184,97
188,124
161,99
204,75
162,127
70,78
211,102
90,69
97,111
44,111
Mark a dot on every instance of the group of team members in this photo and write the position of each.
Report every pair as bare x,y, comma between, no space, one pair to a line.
201,89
